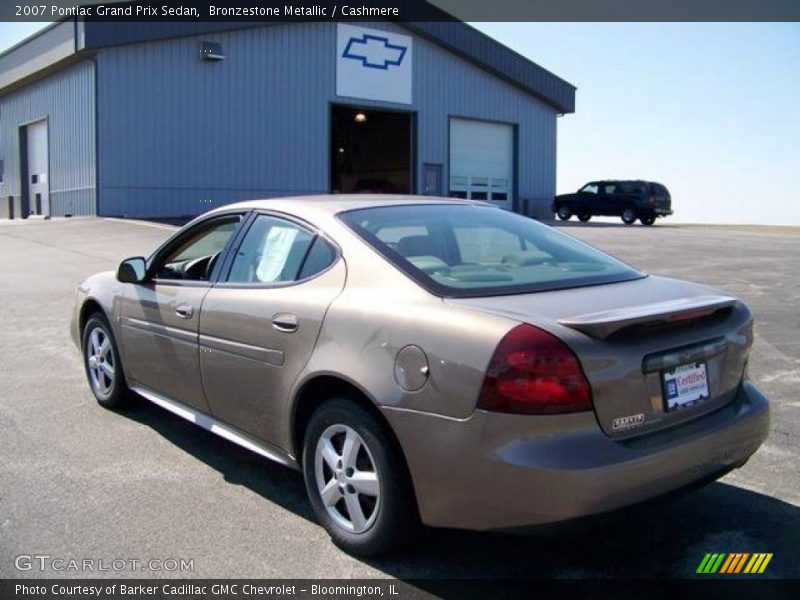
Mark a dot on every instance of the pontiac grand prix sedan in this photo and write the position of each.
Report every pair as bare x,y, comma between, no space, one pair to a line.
426,360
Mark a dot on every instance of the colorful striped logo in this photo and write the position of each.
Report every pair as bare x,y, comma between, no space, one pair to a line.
734,563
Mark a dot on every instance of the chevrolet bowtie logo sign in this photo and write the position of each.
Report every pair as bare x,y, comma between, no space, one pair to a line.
373,64
374,52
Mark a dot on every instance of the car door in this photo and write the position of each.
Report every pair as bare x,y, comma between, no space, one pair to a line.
586,201
627,193
159,318
609,200
260,322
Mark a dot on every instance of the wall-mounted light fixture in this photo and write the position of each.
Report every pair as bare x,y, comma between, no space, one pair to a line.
361,117
211,51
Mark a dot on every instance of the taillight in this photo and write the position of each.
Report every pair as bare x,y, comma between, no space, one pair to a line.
533,372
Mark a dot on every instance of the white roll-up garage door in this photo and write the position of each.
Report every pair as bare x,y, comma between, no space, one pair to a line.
482,161
38,186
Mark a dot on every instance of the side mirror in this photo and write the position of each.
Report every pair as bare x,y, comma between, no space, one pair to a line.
132,270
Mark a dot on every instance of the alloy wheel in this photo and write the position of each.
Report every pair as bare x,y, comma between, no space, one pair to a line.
347,478
100,360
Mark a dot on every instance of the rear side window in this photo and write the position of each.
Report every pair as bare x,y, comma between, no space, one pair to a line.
609,188
632,187
275,250
483,251
319,257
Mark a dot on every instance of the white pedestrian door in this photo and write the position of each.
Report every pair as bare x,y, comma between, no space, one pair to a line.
38,185
482,161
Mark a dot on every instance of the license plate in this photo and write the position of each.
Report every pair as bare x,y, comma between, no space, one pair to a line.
685,385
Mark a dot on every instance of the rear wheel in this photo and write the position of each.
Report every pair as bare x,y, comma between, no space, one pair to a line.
357,480
648,220
102,363
629,216
584,218
563,212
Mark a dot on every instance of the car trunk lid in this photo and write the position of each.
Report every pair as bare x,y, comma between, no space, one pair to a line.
636,337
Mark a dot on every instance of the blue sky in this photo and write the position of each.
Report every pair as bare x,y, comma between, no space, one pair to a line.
712,110
11,33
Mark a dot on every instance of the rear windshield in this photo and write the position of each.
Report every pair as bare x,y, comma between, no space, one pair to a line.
462,250
660,190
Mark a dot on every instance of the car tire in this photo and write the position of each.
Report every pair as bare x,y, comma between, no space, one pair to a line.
629,216
365,514
102,364
648,220
564,213
584,218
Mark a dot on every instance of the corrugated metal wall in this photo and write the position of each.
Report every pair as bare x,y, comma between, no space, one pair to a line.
66,100
179,135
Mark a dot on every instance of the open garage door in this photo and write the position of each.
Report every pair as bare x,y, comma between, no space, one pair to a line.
482,161
371,151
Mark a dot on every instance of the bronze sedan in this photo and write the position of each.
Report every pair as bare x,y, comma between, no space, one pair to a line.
427,360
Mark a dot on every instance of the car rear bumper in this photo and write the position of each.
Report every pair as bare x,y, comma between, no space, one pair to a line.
662,212
499,471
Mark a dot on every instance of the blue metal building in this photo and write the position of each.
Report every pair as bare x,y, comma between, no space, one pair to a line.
171,119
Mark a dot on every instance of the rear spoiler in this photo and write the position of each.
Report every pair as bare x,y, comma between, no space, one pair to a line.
606,323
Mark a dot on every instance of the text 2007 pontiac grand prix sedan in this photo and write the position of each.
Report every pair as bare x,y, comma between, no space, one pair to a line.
428,360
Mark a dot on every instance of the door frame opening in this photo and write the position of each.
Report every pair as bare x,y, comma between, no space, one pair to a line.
373,111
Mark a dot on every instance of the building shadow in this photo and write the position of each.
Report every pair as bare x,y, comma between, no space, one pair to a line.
665,539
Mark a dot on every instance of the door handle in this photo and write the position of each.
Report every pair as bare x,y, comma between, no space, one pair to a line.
285,322
184,311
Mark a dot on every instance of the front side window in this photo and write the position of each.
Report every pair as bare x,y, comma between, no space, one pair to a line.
590,188
276,251
483,251
195,254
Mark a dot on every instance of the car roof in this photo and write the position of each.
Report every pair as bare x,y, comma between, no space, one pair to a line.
626,181
332,204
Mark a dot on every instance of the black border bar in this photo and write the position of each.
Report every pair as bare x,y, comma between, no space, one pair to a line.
404,10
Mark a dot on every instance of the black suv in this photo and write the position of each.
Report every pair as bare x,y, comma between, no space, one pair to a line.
631,200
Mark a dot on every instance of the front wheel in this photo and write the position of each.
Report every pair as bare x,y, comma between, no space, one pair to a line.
629,216
563,212
584,218
102,363
357,480
648,220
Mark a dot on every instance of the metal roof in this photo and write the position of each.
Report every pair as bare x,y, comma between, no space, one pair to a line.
67,40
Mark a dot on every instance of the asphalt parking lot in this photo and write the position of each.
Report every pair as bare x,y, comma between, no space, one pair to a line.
77,481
